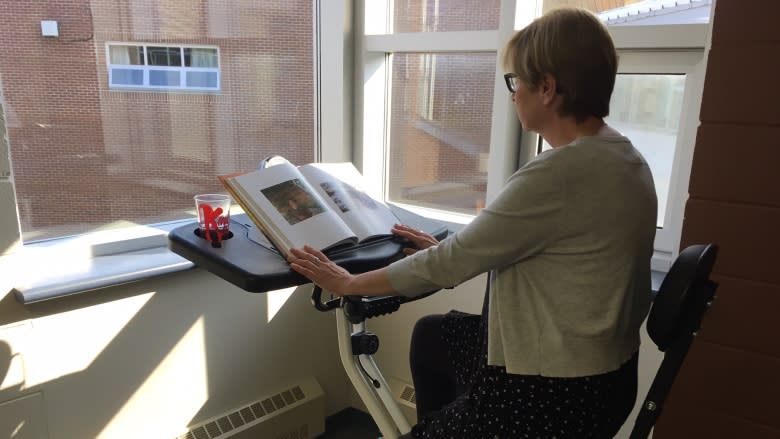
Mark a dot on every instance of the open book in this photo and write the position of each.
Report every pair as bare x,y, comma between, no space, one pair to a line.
320,204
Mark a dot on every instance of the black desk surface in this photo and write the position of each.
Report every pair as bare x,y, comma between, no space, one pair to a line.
255,268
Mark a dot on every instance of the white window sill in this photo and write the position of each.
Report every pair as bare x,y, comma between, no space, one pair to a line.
62,267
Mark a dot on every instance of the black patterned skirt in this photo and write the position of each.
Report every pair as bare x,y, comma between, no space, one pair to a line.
497,404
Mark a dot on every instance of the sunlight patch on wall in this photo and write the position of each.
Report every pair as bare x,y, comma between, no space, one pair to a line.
276,300
25,267
76,338
165,404
14,339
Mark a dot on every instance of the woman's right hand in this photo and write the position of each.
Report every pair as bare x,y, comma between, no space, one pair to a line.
313,264
418,238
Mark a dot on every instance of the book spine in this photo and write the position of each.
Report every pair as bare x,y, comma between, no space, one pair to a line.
248,209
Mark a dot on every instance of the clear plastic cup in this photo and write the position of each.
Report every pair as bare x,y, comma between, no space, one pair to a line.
213,216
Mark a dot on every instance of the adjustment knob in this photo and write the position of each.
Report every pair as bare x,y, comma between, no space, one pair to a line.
364,343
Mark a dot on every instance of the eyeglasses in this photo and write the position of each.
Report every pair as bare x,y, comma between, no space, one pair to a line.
511,81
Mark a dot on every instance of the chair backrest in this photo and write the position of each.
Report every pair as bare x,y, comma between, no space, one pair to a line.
675,316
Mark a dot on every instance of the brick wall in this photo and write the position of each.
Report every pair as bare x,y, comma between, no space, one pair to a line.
728,386
452,15
85,156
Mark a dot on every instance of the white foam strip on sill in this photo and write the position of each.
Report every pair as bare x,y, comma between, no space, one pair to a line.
104,271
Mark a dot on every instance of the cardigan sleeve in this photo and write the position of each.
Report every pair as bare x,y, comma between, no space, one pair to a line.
522,221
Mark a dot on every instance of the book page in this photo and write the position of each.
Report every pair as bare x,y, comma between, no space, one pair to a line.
340,184
288,209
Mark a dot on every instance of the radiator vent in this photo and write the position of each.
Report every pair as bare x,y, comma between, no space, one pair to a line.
310,420
409,395
405,396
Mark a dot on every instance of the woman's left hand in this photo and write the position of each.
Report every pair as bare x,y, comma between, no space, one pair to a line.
418,238
313,264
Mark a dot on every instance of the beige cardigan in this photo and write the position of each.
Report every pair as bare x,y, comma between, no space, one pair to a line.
568,243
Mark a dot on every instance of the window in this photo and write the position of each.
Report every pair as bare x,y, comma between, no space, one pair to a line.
446,137
656,101
440,129
646,108
87,159
163,67
440,93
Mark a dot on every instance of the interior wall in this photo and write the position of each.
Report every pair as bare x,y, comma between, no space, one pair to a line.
150,358
728,385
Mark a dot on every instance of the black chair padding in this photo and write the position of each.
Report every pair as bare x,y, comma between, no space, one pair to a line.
674,308
674,319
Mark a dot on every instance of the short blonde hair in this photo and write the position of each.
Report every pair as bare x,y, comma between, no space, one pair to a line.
573,46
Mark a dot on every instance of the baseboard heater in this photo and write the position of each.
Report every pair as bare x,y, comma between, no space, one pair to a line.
297,412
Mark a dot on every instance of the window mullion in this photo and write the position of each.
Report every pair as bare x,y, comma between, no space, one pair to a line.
504,153
466,41
333,94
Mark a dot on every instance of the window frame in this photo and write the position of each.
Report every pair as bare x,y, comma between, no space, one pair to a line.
687,62
372,69
672,48
677,48
146,68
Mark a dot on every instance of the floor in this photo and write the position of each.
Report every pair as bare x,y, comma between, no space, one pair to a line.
350,423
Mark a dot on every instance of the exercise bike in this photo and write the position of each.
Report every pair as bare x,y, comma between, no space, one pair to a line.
244,262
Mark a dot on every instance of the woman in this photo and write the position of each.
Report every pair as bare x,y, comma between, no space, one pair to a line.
567,245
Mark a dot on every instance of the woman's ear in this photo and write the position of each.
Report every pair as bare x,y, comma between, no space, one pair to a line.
548,89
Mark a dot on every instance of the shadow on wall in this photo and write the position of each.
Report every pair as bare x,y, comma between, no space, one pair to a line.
9,428
150,358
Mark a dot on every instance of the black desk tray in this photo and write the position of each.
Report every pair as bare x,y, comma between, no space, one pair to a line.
258,269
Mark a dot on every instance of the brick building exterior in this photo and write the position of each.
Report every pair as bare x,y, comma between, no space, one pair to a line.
85,155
